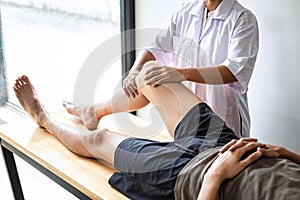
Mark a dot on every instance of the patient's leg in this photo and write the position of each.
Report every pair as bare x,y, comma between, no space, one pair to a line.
98,143
91,114
172,100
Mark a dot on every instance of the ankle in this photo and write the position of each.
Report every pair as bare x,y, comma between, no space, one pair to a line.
100,110
42,119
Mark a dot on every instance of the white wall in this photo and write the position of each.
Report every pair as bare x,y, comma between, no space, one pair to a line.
274,92
152,15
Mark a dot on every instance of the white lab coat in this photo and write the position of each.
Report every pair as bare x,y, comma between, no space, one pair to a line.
230,38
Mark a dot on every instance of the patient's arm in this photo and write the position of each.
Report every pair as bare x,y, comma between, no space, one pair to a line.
274,151
227,165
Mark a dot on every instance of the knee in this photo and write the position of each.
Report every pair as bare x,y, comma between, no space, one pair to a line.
140,78
93,139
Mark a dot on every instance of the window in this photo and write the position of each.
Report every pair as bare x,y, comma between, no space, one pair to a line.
3,89
51,40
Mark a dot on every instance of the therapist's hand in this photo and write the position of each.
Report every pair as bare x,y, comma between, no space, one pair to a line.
157,75
129,84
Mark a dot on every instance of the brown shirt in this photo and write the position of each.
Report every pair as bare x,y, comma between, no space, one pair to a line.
265,179
189,180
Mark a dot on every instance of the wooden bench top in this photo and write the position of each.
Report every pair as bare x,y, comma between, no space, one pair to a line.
87,175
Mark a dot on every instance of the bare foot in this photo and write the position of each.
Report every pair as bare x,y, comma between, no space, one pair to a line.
26,95
86,113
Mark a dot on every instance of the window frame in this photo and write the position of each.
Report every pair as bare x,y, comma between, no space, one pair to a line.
127,23
3,83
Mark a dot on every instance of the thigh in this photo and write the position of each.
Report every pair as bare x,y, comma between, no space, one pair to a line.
202,129
136,155
172,101
148,169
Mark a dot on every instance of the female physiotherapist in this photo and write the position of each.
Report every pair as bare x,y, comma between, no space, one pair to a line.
212,46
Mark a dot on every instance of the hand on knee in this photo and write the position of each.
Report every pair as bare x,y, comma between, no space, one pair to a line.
140,78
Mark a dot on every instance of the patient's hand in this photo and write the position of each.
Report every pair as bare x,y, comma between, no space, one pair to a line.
274,151
235,144
227,165
267,150
230,163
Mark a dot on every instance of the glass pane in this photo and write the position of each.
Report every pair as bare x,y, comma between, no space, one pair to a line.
50,40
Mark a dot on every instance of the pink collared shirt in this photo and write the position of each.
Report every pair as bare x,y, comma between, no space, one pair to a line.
229,38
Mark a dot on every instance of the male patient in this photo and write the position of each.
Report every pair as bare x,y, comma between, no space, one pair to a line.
162,170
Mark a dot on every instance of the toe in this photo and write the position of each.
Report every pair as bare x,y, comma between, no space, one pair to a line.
17,84
66,104
22,81
25,79
16,89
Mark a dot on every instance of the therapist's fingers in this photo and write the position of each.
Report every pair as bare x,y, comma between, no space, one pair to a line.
130,88
157,80
153,69
153,74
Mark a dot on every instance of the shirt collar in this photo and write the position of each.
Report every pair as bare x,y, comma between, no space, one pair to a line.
197,10
223,9
220,13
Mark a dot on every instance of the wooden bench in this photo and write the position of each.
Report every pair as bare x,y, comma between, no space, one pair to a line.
85,178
